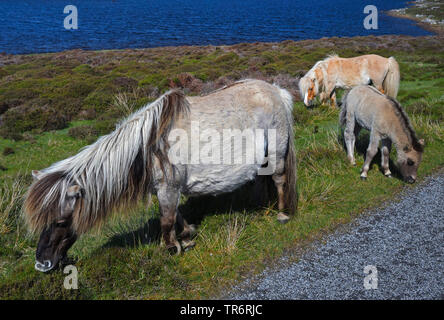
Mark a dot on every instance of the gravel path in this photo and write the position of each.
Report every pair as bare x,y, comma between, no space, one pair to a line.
404,241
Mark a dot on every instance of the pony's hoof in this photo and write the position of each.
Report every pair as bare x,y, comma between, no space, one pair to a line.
388,175
189,233
282,218
188,245
363,178
174,249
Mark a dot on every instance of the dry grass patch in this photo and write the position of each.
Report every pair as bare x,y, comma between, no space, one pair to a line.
10,203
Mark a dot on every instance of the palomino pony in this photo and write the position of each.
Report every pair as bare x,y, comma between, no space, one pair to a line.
335,72
136,160
366,107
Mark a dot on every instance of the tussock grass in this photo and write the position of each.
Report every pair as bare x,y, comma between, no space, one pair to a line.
428,127
226,241
430,106
126,102
11,196
320,194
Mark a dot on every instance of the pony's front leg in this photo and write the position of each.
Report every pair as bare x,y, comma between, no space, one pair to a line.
328,96
323,97
333,103
386,145
371,152
168,197
350,133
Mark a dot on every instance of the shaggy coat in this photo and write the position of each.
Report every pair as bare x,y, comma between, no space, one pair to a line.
365,107
135,160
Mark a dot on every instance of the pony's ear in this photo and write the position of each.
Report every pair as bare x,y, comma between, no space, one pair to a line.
419,146
36,174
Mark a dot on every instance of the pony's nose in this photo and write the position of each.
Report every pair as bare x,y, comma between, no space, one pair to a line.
410,179
43,267
307,101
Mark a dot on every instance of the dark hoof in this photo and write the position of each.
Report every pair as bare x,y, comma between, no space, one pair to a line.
363,178
174,249
282,218
188,245
188,233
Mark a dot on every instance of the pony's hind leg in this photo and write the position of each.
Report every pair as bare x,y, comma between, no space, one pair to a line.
279,179
371,152
386,145
168,201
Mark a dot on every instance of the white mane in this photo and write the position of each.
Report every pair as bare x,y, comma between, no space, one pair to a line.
107,168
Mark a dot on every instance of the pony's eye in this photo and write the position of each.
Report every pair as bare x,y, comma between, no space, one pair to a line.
410,162
61,223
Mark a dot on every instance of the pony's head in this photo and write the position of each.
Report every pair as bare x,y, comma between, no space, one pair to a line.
312,84
50,205
409,159
308,89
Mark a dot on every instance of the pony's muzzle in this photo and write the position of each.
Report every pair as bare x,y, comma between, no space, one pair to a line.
307,102
43,267
410,179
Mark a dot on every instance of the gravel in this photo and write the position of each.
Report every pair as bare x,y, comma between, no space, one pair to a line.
404,241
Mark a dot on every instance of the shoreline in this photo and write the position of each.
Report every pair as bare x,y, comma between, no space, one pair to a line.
437,30
4,56
422,20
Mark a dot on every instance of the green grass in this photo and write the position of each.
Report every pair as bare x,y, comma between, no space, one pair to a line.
124,258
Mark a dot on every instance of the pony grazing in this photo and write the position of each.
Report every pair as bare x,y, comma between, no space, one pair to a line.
335,72
366,107
168,148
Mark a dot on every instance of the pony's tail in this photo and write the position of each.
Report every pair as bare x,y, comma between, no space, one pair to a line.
391,80
290,186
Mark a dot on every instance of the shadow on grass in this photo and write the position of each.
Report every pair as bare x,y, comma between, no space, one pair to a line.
148,233
251,197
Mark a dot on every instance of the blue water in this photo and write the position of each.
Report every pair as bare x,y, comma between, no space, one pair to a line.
30,26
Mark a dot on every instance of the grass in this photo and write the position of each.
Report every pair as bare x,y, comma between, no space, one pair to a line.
124,260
